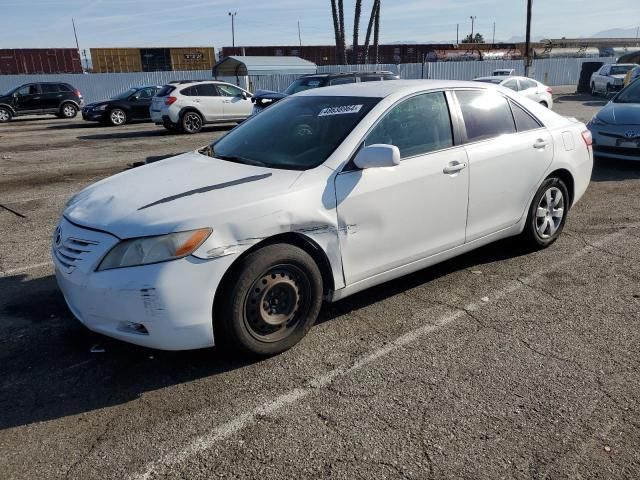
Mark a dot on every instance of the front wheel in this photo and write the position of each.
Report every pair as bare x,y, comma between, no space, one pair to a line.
117,117
270,301
547,214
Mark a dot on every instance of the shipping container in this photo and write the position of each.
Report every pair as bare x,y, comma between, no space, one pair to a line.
39,60
116,60
192,58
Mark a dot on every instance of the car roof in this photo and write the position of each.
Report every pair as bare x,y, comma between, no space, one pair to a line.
345,74
502,78
386,89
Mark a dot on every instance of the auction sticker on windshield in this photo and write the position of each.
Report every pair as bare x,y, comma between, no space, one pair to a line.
342,110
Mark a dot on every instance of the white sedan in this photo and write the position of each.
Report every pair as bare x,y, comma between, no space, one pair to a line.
325,194
528,87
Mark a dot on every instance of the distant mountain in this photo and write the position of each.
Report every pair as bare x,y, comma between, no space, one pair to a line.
617,33
521,38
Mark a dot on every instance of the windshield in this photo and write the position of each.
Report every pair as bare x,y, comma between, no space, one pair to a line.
297,133
496,81
303,84
620,69
125,95
631,94
10,92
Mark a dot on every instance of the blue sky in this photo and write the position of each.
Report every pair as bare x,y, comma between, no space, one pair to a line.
119,23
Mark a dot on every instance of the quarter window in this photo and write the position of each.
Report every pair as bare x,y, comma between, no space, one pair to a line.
64,88
49,88
486,115
416,126
524,121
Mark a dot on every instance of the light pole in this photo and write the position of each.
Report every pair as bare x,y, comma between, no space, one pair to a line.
233,31
527,44
473,19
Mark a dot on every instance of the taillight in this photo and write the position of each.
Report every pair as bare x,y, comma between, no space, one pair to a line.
550,90
588,139
170,101
78,93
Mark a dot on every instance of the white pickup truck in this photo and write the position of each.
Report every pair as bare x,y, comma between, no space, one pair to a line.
610,78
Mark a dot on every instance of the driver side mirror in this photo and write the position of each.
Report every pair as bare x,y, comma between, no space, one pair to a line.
133,98
244,95
378,155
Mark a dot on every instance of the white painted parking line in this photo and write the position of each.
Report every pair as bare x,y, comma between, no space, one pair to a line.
26,268
295,395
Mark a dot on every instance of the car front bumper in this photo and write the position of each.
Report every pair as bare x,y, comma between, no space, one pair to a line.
92,115
167,306
613,141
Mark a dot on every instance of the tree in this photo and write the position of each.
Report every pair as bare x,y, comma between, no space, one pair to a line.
356,31
477,38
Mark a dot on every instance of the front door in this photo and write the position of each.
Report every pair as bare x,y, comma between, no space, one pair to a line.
141,102
28,99
236,106
390,217
506,161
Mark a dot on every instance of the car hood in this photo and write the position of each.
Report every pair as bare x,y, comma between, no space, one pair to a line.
97,104
620,113
179,193
270,95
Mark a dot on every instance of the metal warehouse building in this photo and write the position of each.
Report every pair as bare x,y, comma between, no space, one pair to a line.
125,60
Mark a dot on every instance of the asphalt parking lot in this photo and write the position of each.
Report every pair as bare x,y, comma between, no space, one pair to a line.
503,363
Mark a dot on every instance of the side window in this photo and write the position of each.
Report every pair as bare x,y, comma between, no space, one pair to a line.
486,114
229,90
207,90
416,126
342,80
526,84
24,90
524,121
146,93
49,88
512,84
190,92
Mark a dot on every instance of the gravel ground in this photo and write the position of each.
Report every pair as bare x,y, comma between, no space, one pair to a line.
499,364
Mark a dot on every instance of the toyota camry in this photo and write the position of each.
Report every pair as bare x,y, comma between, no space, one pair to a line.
325,194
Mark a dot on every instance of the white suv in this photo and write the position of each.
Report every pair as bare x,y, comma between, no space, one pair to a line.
187,106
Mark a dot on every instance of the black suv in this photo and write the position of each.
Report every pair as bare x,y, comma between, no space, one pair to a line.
130,105
61,99
263,99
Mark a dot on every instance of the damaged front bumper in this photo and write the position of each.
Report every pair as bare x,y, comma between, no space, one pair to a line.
167,306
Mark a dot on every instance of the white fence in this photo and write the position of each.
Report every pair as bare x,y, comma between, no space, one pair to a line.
98,86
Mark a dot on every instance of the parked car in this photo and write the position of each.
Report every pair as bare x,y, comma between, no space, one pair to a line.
132,104
187,107
60,99
264,99
631,75
616,128
530,88
504,72
325,194
610,78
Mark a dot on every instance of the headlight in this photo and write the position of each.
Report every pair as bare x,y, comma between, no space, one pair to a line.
146,250
100,108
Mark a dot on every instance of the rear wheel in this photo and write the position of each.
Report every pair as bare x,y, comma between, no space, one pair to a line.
68,110
270,301
117,117
191,122
547,213
5,115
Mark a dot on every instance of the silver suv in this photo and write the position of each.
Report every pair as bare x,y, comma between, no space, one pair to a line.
188,105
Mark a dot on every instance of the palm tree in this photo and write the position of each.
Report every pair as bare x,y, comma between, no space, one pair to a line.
369,28
376,34
343,45
336,29
356,28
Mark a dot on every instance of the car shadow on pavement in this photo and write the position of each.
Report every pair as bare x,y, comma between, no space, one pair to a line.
48,370
585,98
610,170
159,132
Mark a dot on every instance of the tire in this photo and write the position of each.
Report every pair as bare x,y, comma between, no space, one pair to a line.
191,122
117,117
594,92
5,115
547,214
269,302
68,110
544,104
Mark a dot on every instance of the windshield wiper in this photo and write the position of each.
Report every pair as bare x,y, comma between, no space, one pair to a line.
238,159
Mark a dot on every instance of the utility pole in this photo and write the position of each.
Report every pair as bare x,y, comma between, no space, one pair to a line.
233,31
75,34
457,33
299,35
493,42
527,44
473,19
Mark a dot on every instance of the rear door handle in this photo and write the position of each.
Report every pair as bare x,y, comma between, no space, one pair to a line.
540,144
454,167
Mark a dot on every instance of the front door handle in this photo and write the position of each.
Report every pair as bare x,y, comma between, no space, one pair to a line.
540,144
36,98
226,101
454,167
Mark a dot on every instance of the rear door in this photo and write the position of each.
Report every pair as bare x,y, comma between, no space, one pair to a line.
235,105
397,215
506,162
208,101
50,97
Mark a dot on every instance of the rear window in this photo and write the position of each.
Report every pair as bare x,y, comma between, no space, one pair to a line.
495,81
303,84
165,91
486,115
